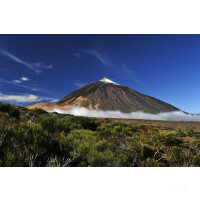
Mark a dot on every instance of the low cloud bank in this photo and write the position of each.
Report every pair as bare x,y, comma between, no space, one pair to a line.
167,116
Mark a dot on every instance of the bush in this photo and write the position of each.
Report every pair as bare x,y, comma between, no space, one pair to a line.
147,152
170,140
38,138
48,123
11,110
102,159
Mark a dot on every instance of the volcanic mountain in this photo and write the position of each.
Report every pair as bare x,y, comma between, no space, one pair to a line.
108,95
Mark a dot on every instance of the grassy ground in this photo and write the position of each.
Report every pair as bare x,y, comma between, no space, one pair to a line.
37,138
183,125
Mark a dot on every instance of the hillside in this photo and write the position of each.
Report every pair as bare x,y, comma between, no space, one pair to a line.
37,138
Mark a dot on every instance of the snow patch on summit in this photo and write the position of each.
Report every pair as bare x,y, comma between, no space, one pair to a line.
105,80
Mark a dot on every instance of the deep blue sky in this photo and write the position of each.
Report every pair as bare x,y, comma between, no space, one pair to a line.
163,66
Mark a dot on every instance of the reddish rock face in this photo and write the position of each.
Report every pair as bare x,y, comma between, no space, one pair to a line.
108,95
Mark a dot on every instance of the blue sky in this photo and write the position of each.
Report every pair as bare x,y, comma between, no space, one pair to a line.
44,68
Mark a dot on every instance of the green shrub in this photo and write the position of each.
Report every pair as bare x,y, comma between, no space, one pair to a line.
11,110
38,138
48,123
147,152
170,140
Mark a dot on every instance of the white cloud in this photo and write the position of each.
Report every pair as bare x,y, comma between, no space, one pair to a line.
20,98
78,83
36,67
168,116
21,79
17,81
54,100
25,98
27,87
25,79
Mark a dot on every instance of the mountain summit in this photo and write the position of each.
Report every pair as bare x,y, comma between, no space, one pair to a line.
106,80
109,96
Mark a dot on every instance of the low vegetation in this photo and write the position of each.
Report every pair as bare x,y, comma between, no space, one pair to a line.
37,138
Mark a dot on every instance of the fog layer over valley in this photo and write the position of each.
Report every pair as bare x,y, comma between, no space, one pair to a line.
167,116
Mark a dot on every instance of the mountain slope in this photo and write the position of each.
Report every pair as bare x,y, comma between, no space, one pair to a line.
108,95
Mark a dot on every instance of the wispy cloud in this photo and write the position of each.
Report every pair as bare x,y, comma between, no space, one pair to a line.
24,98
21,79
17,81
78,83
78,55
36,67
26,87
101,57
140,82
125,73
53,100
126,69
